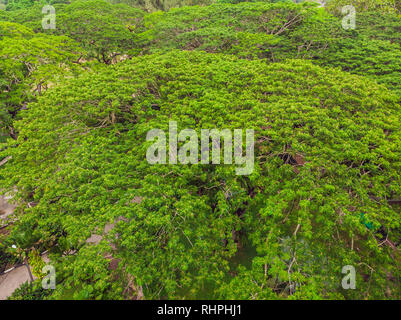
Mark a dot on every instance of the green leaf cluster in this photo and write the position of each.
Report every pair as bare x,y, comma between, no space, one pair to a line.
327,148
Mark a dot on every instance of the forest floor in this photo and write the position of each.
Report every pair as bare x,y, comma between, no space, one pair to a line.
15,278
6,208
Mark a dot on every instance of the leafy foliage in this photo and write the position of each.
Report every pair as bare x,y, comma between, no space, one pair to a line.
379,6
263,30
6,258
374,25
103,30
324,190
100,27
165,5
30,291
328,149
12,5
279,31
36,262
377,59
29,63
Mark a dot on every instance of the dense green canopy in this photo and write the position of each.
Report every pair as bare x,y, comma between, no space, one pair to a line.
267,30
29,63
262,29
102,29
277,31
324,193
327,150
380,6
377,59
